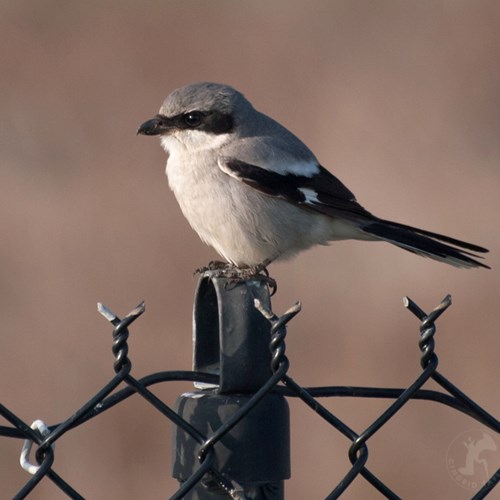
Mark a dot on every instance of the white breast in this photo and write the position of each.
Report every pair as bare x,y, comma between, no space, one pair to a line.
243,225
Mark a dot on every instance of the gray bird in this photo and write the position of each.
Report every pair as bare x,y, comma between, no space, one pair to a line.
255,193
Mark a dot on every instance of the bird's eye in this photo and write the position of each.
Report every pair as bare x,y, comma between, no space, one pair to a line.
193,119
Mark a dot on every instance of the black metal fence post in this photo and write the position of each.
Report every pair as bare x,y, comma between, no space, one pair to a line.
231,339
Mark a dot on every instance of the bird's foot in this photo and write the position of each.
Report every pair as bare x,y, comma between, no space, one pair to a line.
213,265
235,274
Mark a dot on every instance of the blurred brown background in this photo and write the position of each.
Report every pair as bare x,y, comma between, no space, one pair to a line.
401,100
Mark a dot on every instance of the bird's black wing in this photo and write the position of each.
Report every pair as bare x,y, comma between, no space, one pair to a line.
322,192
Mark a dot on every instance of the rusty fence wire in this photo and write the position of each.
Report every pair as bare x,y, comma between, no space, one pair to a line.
207,475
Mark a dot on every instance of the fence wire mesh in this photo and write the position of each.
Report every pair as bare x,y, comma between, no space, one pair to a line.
43,437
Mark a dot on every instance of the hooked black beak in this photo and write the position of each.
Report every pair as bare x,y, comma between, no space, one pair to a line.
155,126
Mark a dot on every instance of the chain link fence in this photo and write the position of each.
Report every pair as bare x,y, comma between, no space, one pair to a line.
231,433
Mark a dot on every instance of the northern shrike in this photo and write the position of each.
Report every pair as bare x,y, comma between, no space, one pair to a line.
255,193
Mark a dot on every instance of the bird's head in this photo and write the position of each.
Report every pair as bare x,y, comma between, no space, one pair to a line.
197,115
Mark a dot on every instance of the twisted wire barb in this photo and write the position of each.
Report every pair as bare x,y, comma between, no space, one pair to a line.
120,334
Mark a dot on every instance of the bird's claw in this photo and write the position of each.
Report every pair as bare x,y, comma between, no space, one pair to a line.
213,265
234,274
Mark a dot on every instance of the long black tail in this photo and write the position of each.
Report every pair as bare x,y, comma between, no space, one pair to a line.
436,246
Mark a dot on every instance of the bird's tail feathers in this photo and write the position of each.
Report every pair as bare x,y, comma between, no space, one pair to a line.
427,244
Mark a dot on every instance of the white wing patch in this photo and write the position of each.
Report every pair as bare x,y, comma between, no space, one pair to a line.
310,194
